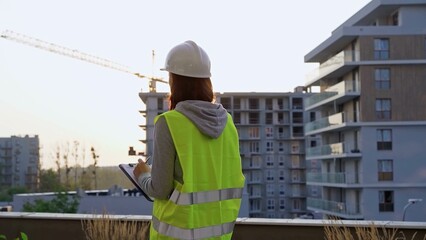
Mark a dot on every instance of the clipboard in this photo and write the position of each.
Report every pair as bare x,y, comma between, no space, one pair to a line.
127,168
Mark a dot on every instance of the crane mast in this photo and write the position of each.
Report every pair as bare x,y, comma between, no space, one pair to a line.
54,48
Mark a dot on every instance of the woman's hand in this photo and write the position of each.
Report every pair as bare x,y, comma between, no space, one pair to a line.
141,168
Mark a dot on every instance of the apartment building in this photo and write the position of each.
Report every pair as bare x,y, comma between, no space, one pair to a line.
272,147
19,162
370,115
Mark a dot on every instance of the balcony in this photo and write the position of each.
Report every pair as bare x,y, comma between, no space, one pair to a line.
340,92
332,122
340,60
68,226
332,178
335,150
341,209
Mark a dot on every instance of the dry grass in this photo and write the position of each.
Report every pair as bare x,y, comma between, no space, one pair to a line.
338,231
107,228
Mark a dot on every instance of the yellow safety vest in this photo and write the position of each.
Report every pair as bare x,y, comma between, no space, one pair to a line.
206,205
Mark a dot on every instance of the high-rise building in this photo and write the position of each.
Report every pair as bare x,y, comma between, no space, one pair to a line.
19,162
272,147
371,114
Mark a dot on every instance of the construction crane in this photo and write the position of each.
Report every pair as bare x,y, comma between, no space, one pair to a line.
54,48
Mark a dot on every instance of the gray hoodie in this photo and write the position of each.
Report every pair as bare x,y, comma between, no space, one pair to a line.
210,119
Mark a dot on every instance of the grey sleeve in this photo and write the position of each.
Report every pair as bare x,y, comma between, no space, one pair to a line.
159,184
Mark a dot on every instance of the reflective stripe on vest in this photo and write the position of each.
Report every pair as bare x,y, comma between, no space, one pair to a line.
205,197
197,233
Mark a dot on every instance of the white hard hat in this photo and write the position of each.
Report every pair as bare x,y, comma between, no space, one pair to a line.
188,59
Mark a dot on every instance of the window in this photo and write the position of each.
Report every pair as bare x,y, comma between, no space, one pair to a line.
269,132
269,161
281,147
281,189
296,204
253,118
253,103
281,175
270,175
386,201
253,132
268,118
281,133
237,103
254,205
254,191
256,176
383,109
381,49
226,102
382,77
270,204
281,118
237,118
255,161
384,139
270,190
282,204
395,19
297,117
268,104
280,103
385,170
254,147
269,146
280,160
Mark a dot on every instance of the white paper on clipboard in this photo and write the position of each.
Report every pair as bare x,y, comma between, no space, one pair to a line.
127,168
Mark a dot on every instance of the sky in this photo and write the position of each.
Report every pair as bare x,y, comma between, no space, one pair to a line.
254,46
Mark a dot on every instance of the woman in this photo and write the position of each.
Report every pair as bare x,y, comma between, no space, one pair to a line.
196,176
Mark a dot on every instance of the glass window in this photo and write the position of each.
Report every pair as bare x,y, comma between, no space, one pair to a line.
384,139
254,147
226,102
268,104
256,161
269,146
270,204
281,189
237,103
386,201
253,132
383,109
381,49
270,175
282,204
269,132
253,118
269,161
237,117
281,147
281,175
385,170
253,103
382,78
281,160
270,190
268,118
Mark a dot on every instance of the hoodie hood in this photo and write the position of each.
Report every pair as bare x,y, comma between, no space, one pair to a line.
210,118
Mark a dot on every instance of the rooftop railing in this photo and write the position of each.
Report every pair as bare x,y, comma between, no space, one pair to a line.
69,226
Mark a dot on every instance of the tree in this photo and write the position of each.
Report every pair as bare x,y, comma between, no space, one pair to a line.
49,181
6,194
62,203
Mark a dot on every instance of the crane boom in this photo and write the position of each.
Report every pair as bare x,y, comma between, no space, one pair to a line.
54,48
